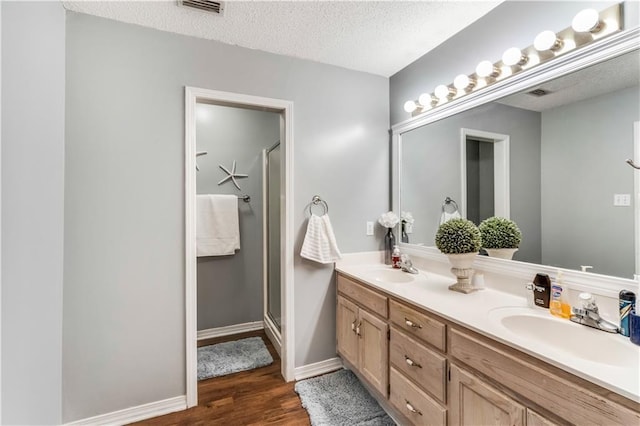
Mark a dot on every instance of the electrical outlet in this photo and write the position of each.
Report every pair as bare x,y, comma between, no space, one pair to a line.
369,228
622,200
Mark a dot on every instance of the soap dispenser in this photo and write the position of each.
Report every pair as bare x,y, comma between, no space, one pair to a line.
558,304
395,257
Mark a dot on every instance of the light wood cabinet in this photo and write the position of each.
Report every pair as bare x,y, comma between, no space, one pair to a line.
475,402
362,337
535,419
435,372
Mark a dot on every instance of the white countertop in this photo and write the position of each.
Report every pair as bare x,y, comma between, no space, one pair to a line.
430,291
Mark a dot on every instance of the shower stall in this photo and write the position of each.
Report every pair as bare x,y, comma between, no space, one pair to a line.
272,197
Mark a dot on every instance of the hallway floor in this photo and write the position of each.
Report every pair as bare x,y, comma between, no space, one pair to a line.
255,397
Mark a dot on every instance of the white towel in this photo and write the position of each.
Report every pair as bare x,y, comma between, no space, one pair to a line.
217,225
319,242
445,217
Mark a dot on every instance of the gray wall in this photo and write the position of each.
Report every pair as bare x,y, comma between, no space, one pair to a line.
580,225
512,23
124,201
230,287
32,210
431,170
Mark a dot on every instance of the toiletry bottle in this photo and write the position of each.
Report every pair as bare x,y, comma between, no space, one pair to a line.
395,257
558,304
627,301
541,290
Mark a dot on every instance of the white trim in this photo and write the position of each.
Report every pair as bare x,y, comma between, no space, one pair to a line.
135,414
318,368
230,330
191,294
285,108
611,47
502,200
265,239
273,334
636,191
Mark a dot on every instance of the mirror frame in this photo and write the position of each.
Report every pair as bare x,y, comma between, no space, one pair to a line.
610,47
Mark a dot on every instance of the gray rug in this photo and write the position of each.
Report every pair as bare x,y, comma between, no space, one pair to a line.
338,399
230,357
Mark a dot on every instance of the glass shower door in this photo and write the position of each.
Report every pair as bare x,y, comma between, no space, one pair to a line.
273,235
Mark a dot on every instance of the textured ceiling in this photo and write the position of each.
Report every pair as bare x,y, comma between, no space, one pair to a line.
379,37
606,77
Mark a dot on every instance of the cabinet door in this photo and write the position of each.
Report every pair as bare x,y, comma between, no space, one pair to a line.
346,327
474,402
535,419
373,351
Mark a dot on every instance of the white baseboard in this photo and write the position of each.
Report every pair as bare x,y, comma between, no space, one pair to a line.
134,414
318,368
230,329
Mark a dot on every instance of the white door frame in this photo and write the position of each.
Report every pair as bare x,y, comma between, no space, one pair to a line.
285,109
502,199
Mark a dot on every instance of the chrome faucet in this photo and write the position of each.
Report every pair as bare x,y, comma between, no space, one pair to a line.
406,265
588,315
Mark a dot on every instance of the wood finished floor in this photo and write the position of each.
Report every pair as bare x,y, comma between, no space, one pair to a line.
256,397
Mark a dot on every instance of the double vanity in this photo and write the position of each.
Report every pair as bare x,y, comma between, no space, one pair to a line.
437,357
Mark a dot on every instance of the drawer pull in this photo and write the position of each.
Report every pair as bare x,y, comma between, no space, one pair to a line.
411,362
353,325
410,408
358,329
411,323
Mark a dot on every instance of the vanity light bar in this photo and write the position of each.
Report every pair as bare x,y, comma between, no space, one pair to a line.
587,26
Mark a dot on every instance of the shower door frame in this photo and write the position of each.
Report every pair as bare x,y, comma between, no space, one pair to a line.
193,95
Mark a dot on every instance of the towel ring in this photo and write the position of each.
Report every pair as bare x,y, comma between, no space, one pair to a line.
449,202
317,201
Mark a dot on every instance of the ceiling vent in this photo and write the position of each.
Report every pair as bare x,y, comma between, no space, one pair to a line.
538,92
215,7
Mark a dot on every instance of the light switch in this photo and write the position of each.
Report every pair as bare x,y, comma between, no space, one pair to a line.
621,200
369,228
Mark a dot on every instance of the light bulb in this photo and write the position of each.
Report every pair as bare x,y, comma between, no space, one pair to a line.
425,99
585,21
547,40
486,69
443,92
463,82
410,106
514,56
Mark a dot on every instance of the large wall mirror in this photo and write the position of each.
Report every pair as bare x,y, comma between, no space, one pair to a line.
548,151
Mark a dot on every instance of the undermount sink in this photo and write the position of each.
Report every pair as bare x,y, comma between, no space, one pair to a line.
388,275
578,341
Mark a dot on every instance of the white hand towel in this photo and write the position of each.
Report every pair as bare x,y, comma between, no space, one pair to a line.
217,225
319,242
445,217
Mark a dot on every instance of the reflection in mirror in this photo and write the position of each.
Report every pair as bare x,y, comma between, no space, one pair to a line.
567,184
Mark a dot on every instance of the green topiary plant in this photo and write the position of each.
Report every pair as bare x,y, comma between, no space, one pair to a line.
457,236
499,232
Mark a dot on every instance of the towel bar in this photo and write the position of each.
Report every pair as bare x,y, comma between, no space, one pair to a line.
317,201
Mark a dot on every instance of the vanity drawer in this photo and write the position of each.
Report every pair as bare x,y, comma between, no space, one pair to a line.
418,363
413,403
369,299
418,324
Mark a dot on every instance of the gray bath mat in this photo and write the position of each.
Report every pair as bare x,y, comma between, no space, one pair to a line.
338,399
230,357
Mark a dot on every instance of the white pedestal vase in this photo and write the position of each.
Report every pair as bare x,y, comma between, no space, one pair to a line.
461,268
502,253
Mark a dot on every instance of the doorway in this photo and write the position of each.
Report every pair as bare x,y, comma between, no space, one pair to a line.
484,166
284,110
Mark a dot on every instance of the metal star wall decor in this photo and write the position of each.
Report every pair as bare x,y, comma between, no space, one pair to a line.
231,174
